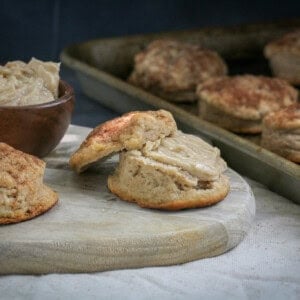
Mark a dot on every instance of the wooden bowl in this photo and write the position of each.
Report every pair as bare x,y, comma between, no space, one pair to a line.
37,129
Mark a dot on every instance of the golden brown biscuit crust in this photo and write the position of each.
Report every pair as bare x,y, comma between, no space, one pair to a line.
281,132
172,69
247,96
22,192
287,118
282,142
129,131
289,43
47,198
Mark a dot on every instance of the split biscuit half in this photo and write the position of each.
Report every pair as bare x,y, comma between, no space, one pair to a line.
130,131
23,195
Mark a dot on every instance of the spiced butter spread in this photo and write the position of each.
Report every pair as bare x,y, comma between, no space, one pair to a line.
189,153
29,83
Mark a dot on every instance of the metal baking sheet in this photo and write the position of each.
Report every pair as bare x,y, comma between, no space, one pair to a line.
102,66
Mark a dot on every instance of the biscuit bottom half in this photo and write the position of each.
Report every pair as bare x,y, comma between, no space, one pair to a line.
17,209
158,185
218,117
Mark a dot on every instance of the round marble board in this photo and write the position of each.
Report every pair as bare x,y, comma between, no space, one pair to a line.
92,230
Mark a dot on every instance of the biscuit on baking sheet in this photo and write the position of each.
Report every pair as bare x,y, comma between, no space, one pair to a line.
23,195
172,69
284,56
239,103
181,172
281,132
130,131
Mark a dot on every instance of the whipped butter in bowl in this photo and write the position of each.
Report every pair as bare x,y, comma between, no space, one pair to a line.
35,106
29,83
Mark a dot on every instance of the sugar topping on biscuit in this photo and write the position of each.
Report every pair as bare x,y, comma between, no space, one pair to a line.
287,118
247,96
130,131
172,69
289,42
23,194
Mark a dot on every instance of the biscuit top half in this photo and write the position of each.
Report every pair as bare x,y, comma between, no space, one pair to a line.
174,65
130,131
247,96
289,43
287,118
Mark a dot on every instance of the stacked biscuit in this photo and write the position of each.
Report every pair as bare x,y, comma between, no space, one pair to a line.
181,72
160,167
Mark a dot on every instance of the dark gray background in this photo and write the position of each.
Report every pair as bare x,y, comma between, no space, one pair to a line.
42,28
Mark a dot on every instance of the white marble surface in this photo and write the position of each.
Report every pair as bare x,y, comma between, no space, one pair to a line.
265,265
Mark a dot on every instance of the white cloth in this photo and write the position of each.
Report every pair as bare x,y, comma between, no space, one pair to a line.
266,265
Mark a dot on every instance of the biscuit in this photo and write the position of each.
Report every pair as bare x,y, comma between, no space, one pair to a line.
239,103
281,132
175,176
284,56
22,192
130,131
172,69
160,167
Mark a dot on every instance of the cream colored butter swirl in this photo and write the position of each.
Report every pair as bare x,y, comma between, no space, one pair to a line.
27,84
189,153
